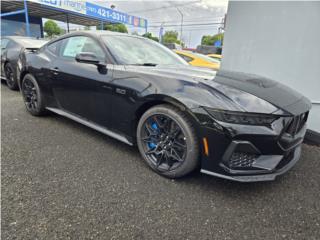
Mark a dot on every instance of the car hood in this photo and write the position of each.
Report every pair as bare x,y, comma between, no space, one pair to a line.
275,93
247,92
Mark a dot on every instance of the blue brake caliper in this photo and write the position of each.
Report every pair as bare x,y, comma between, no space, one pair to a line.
153,145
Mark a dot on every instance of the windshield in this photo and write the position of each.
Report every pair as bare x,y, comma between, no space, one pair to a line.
206,58
140,51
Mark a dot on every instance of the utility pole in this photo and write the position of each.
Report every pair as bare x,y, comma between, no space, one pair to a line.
161,33
181,23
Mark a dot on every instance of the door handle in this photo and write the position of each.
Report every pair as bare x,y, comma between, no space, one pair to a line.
55,70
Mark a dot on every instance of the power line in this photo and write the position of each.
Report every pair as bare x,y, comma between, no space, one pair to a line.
185,25
189,20
159,8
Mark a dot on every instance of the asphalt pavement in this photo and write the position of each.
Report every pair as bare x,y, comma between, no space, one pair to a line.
62,180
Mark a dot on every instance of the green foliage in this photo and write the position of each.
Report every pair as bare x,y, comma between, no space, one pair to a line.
210,40
51,28
149,35
118,27
170,37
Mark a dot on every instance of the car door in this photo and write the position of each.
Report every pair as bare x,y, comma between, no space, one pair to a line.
81,88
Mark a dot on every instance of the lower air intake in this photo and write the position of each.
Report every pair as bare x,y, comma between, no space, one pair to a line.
242,160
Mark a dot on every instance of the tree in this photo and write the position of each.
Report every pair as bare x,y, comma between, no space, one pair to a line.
170,37
117,27
149,35
51,28
210,40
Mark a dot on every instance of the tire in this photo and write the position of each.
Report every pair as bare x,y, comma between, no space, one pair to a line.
10,77
156,145
32,96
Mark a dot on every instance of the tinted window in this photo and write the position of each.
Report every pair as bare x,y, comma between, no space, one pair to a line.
54,47
74,45
4,43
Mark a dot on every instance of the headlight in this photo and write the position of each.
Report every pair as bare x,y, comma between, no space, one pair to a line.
242,117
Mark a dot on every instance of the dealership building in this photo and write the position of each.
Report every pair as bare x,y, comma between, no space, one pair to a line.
278,40
25,17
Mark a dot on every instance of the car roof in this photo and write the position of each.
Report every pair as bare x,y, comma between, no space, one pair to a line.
92,33
97,33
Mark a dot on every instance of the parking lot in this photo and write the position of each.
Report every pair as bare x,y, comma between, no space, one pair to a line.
61,180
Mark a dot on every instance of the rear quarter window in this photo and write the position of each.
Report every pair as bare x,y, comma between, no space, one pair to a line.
54,47
71,46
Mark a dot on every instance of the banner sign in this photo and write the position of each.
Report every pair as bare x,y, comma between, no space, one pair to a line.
93,10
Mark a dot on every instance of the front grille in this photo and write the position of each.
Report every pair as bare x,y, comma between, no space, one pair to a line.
242,160
296,123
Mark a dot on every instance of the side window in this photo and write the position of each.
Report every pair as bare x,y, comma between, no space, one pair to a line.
186,58
74,45
4,43
92,46
54,47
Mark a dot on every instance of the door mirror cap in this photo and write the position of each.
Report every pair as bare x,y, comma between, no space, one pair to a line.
91,58
87,57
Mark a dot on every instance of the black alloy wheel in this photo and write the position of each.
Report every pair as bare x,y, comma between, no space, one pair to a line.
167,141
32,96
164,142
10,79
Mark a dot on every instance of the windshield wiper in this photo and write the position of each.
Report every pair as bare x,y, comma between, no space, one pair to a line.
145,64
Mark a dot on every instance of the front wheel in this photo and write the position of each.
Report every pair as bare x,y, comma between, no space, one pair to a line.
32,96
167,141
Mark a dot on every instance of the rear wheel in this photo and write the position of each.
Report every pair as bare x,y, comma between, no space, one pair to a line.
33,98
10,79
167,141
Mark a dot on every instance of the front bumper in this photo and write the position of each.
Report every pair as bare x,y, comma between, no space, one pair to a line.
250,153
259,177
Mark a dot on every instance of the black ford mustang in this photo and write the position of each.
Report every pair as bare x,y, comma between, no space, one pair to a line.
232,125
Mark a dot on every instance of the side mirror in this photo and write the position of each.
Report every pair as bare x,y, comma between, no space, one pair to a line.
87,57
91,58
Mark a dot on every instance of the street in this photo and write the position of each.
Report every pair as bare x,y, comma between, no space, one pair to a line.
62,180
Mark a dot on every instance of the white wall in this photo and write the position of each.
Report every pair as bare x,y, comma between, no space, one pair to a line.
279,40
